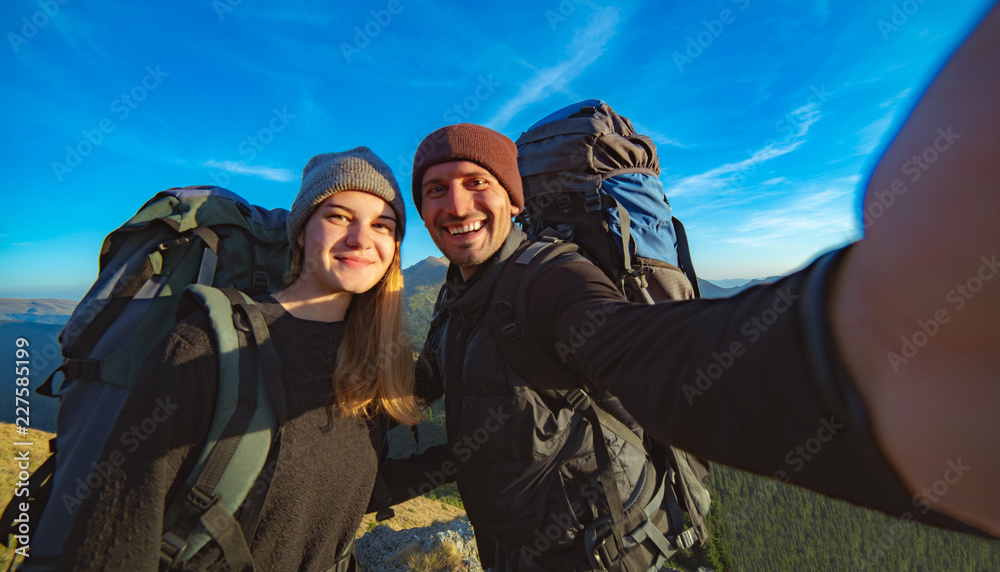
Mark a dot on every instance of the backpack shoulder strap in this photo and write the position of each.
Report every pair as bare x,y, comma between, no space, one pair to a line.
684,256
547,376
250,412
508,317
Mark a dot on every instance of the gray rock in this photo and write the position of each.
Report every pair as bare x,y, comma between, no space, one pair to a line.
384,550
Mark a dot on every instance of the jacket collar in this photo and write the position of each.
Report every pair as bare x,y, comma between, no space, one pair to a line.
471,296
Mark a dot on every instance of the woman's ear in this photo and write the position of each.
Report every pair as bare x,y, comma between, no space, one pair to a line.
301,239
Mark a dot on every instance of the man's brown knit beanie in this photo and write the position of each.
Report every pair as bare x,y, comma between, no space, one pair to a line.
468,142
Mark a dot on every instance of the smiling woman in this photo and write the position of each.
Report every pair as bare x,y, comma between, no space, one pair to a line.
347,245
332,327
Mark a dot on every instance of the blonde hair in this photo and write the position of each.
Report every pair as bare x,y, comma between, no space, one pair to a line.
375,362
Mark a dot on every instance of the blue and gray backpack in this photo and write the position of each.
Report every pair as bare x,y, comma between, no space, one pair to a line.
591,185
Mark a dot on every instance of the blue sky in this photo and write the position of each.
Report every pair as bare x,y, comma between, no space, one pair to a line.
766,114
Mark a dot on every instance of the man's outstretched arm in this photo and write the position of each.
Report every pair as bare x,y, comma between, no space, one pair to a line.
915,308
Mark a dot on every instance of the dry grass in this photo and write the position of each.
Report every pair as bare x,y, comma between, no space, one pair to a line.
443,559
37,452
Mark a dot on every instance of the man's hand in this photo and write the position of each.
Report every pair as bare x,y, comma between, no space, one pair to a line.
916,307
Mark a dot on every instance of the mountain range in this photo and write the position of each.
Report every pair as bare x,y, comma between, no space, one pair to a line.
40,311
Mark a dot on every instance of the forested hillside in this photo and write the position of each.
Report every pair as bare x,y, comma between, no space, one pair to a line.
423,280
767,525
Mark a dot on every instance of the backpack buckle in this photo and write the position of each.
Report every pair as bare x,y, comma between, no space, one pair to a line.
600,557
592,202
597,549
578,399
239,322
564,203
168,244
512,331
201,500
639,275
685,540
171,546
260,281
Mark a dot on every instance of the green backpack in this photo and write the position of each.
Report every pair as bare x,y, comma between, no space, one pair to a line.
185,249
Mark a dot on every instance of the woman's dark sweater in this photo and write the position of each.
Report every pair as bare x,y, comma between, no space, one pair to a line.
320,488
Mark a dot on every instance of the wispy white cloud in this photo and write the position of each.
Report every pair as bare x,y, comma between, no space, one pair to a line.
821,208
730,174
728,202
241,168
736,173
894,101
872,135
586,47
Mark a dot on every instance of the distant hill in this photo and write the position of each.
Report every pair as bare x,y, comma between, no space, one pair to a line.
422,282
40,311
717,289
728,282
429,272
713,290
757,281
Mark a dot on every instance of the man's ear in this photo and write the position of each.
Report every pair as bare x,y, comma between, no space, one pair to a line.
515,210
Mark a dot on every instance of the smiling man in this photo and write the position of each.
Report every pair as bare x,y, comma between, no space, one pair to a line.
466,207
526,465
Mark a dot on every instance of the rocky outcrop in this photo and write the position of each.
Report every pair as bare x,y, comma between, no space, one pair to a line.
441,547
